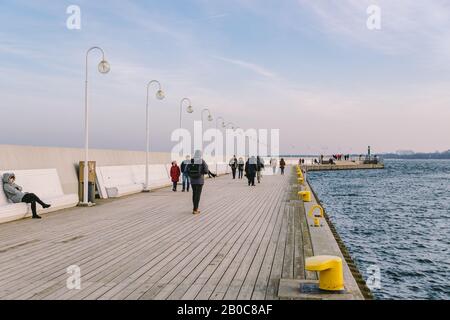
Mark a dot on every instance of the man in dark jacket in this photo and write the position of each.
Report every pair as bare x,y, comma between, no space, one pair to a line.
250,170
233,164
259,168
186,181
196,171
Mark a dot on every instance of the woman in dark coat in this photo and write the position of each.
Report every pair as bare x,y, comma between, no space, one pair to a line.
250,170
175,173
282,165
15,194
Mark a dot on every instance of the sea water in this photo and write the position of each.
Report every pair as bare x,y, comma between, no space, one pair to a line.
395,223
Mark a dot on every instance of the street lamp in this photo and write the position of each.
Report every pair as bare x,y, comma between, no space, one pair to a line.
189,109
223,126
210,118
160,96
103,67
223,122
232,127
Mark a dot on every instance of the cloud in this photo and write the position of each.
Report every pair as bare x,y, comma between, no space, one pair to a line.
408,27
249,66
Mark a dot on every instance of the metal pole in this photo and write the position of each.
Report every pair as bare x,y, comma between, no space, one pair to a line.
223,120
147,133
181,107
209,113
85,200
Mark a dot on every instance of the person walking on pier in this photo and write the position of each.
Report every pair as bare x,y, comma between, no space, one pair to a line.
259,168
282,166
250,170
15,194
175,173
186,181
196,171
233,164
273,164
241,165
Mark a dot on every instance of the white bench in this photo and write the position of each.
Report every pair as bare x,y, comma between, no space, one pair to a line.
158,175
118,181
45,184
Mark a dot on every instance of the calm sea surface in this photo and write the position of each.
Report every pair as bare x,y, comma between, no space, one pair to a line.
397,220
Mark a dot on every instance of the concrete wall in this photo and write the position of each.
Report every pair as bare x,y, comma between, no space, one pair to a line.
65,160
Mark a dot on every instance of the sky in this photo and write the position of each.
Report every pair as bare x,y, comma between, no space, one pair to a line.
309,68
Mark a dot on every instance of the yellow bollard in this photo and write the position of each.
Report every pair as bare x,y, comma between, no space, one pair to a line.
305,195
314,207
300,180
331,275
317,222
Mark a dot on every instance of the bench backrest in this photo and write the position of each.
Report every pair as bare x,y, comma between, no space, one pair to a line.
156,173
44,183
114,176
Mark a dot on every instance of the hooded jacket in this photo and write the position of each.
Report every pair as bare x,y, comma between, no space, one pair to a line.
203,168
12,191
175,173
251,167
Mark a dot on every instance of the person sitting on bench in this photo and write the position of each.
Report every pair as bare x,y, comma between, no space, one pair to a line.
15,194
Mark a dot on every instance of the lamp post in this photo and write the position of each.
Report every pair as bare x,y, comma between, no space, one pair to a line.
233,127
189,109
103,67
210,118
160,96
223,126
223,122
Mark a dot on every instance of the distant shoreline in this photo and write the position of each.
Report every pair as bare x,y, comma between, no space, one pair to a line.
393,156
417,156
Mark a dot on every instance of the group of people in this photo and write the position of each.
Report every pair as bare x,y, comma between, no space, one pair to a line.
253,168
237,166
192,172
339,157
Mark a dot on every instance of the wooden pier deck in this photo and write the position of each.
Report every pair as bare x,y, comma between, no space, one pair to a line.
150,246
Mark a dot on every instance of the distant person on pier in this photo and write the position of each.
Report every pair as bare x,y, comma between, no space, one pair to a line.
273,164
186,181
175,173
196,171
282,166
250,170
241,165
15,194
233,165
259,168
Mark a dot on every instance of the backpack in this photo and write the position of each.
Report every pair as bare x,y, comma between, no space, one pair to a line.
195,170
